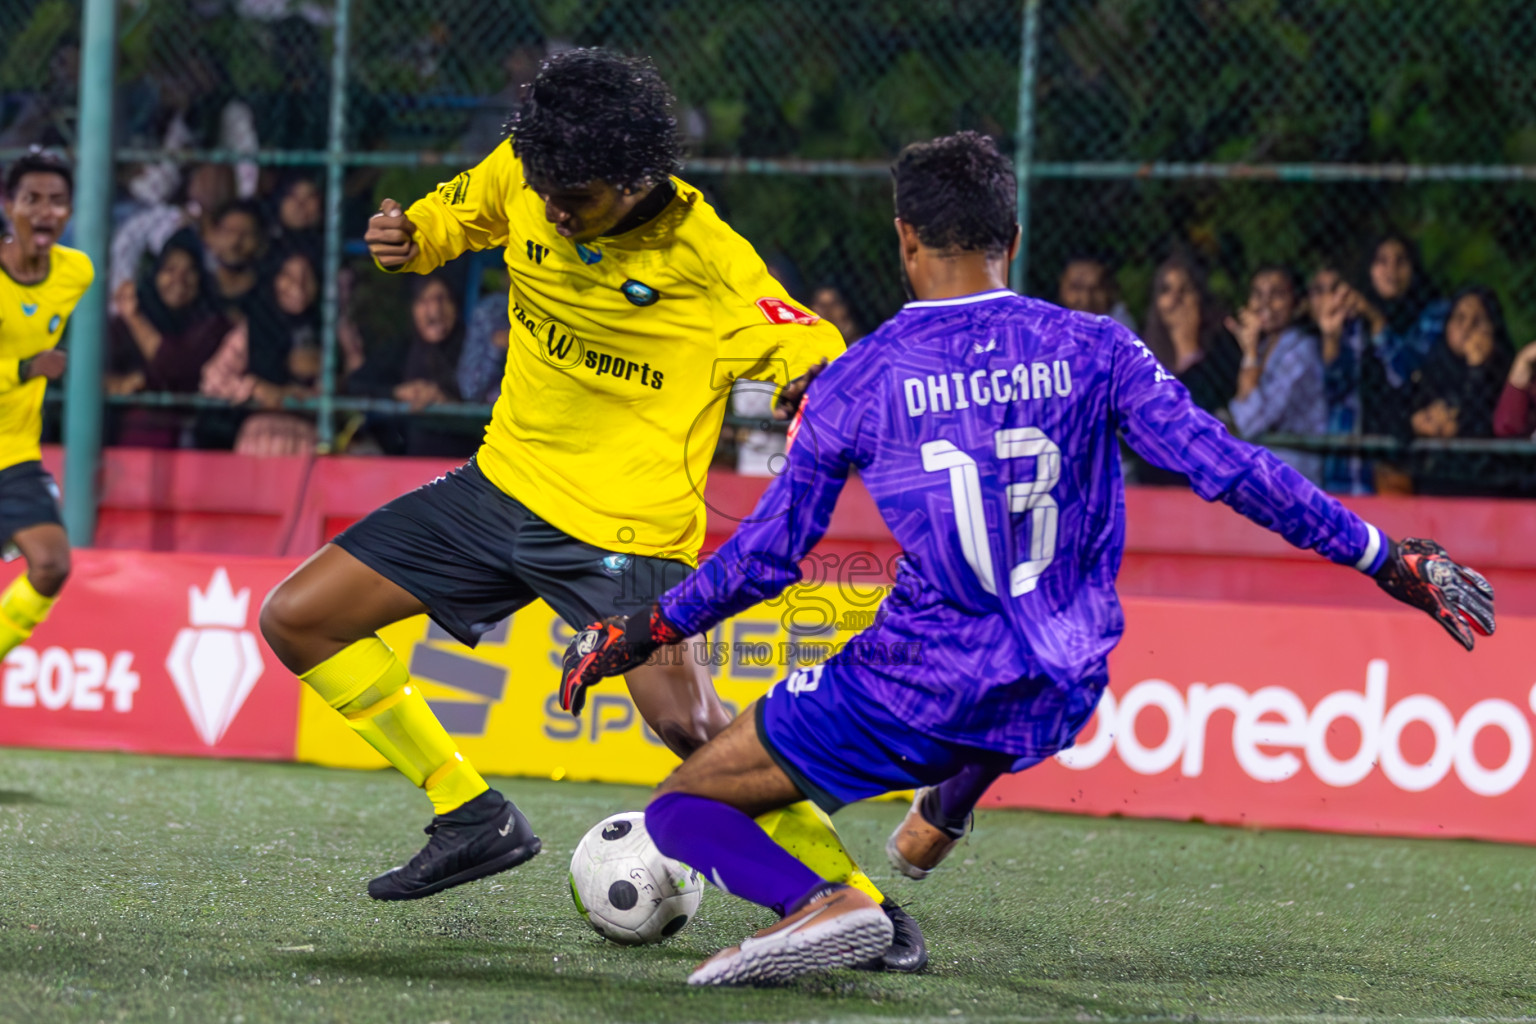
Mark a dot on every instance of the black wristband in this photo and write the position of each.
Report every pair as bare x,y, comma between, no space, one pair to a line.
649,629
637,634
1388,564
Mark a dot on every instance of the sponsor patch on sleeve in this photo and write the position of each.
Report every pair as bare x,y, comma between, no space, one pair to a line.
456,191
780,312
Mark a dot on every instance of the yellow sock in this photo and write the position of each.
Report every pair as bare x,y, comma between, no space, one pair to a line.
21,609
806,833
373,691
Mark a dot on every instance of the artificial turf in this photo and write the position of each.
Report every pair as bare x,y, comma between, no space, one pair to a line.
155,889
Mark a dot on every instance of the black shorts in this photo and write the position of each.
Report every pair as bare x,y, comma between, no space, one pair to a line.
28,497
474,555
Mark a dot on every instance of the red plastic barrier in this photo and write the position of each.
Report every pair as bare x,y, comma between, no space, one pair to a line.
1259,714
217,501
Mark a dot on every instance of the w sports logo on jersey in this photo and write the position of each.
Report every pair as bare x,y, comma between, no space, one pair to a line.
554,342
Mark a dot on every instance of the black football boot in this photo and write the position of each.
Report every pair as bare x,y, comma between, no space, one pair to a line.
486,835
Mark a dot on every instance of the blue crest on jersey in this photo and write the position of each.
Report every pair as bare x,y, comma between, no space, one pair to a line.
639,294
53,324
588,256
614,565
29,308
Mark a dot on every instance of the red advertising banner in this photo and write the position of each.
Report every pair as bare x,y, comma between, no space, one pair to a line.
1285,716
154,653
1304,717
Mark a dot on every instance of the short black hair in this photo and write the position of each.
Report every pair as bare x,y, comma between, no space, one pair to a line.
595,115
959,192
1090,256
39,161
1292,278
250,207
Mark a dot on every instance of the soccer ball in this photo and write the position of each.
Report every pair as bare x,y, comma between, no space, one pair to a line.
626,889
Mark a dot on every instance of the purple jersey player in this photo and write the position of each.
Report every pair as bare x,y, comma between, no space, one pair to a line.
985,426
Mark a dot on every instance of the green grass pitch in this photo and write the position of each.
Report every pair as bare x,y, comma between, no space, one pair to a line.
155,889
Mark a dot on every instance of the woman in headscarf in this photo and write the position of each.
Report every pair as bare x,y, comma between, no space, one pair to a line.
422,373
1455,391
296,215
264,362
1403,316
166,328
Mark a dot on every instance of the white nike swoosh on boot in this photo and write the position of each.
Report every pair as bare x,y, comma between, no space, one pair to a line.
754,940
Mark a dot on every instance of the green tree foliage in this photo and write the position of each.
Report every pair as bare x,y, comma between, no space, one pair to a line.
1347,82
1344,83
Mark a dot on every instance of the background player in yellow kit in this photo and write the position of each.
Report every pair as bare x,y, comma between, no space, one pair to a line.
633,308
39,286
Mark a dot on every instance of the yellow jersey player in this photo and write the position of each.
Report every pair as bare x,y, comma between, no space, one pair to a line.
40,282
633,307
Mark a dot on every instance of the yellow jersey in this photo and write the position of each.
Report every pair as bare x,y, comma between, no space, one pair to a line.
32,319
622,354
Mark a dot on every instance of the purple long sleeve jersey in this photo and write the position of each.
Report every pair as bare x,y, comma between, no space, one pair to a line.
985,429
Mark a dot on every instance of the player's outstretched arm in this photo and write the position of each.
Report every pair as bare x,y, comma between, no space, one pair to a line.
467,213
1166,428
1420,573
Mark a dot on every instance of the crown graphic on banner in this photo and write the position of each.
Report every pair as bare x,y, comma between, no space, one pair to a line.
219,605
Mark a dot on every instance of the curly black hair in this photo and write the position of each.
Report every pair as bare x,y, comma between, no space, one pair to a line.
39,161
959,192
595,115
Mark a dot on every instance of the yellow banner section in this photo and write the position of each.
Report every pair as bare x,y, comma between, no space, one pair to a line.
500,699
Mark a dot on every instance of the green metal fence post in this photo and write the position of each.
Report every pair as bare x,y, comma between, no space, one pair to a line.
335,157
83,396
1024,136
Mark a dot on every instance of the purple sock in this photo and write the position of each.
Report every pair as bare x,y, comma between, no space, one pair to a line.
729,849
953,800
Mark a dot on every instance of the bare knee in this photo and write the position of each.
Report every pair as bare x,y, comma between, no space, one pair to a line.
735,769
48,570
673,784
287,623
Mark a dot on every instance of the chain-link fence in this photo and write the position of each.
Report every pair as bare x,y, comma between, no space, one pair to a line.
1228,136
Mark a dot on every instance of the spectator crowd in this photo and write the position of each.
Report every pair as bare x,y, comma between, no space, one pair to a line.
217,294
1361,349
215,276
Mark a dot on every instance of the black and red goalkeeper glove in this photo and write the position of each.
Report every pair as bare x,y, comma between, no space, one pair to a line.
610,648
1420,573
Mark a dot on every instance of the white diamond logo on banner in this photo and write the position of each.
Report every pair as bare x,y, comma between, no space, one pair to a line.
215,661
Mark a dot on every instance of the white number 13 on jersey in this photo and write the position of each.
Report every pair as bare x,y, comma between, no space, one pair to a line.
1032,497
